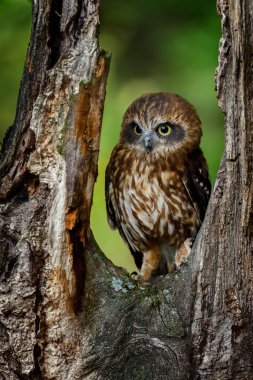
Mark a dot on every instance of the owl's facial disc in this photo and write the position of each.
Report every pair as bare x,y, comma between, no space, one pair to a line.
154,136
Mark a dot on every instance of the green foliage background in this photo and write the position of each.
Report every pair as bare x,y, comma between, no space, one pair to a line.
162,45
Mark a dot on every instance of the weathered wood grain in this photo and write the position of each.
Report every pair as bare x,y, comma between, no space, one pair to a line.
223,312
48,169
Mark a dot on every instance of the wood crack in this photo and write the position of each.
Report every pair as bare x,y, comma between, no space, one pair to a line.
55,34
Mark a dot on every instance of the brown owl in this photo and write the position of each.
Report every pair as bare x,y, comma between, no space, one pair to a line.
157,182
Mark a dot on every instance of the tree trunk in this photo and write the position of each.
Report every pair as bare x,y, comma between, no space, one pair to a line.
48,169
66,312
222,328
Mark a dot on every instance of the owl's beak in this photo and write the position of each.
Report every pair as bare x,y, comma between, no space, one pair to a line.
148,143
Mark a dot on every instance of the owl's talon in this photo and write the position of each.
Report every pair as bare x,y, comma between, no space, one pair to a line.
183,252
190,242
171,267
180,264
134,276
141,280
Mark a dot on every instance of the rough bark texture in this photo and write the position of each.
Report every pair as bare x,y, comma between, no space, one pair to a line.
65,311
48,169
223,313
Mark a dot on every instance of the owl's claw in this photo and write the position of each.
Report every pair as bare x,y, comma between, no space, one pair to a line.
190,242
138,278
134,276
183,252
171,267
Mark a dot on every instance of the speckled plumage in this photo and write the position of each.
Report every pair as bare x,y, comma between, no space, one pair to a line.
157,187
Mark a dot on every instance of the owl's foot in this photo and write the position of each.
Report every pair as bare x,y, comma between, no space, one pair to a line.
134,276
138,278
171,266
183,252
151,260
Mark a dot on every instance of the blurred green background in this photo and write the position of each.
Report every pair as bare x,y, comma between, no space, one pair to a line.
162,45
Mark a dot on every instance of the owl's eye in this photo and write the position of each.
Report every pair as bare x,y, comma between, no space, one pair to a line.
164,129
137,129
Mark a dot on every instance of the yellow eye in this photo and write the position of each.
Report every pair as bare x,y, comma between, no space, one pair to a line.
137,129
164,130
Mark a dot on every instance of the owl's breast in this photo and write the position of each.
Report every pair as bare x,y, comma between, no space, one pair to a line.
154,205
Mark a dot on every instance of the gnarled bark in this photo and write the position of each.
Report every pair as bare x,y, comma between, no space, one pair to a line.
48,169
66,312
222,321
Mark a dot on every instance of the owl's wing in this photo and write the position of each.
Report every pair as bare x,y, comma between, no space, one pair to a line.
197,182
111,215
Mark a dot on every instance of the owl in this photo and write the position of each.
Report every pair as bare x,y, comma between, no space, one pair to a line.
157,184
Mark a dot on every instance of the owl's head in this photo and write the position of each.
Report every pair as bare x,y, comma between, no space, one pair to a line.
161,122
